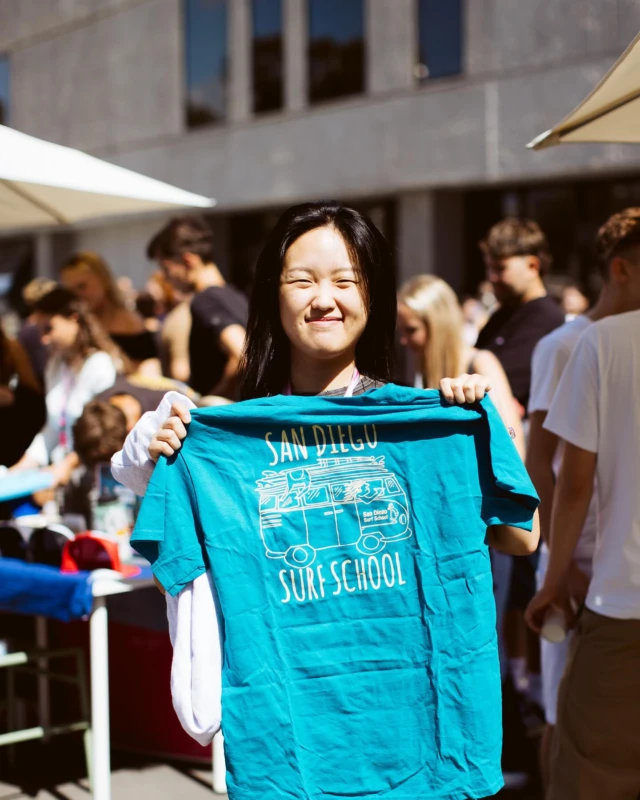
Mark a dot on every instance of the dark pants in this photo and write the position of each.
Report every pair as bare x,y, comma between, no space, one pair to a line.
596,745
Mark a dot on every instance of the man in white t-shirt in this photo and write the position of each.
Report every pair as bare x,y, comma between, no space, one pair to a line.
595,410
544,454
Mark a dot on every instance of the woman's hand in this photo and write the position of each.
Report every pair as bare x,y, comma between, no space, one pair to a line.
169,436
465,388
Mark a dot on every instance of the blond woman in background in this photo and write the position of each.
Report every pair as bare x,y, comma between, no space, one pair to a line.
432,327
89,277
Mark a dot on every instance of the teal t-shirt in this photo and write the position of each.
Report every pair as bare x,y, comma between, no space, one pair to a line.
347,541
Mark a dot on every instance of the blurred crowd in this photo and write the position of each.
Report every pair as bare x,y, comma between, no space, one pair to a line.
94,354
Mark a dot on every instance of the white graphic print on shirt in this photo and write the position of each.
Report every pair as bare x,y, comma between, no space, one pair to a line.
315,509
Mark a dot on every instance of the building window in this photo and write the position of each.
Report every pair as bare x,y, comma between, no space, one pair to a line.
440,38
267,55
206,54
336,48
4,90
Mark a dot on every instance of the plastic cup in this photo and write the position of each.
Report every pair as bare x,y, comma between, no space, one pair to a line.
554,627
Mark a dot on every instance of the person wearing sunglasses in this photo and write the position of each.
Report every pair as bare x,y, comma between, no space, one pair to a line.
82,363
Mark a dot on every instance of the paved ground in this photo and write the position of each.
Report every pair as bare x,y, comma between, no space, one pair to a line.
54,773
160,782
51,773
145,781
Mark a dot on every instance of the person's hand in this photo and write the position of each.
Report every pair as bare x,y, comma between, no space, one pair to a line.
577,585
539,607
168,438
7,397
465,388
61,473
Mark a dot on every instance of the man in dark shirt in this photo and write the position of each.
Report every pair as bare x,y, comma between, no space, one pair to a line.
517,255
184,250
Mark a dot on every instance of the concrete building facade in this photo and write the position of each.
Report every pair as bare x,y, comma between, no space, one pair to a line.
108,76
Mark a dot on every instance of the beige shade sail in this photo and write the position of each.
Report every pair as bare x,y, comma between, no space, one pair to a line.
611,113
44,184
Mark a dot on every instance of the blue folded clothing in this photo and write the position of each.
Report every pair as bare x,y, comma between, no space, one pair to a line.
40,589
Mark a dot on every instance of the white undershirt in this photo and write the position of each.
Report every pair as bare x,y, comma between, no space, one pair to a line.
550,358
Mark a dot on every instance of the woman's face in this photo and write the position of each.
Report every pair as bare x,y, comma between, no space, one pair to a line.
85,285
59,333
413,331
321,306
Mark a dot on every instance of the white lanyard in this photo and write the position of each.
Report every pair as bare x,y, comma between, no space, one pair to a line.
64,423
355,379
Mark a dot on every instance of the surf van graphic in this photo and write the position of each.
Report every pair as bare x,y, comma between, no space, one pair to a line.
338,502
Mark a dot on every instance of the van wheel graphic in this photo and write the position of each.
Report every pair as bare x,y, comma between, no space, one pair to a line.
302,555
370,543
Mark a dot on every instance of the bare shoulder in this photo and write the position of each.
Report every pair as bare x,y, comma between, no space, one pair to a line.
125,322
486,363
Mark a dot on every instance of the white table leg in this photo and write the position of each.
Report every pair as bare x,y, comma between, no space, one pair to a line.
44,702
219,766
101,754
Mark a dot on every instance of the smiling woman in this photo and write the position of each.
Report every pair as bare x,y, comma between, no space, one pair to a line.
323,302
365,512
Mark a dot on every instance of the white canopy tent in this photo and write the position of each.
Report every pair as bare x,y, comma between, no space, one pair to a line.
611,113
44,184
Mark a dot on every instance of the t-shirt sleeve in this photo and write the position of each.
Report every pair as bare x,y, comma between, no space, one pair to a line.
217,311
168,532
98,373
508,495
546,368
573,414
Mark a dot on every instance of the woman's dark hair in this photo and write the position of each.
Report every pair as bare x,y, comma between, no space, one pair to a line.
91,337
266,361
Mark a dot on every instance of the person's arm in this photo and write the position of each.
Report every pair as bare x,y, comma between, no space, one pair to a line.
231,342
540,454
175,342
152,436
179,368
150,367
515,541
571,504
573,417
62,470
23,366
487,364
26,462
